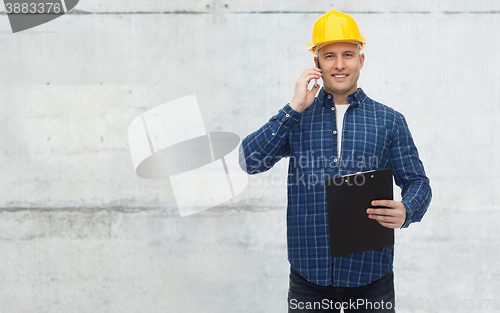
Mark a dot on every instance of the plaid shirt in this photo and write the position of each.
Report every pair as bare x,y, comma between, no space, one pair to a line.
374,137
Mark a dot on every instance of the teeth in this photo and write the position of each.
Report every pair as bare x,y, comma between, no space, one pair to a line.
339,76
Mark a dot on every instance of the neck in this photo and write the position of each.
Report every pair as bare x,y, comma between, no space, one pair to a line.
340,98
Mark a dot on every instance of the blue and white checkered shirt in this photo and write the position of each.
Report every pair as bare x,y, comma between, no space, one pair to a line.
374,137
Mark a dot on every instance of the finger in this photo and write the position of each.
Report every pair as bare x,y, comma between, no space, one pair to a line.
306,80
314,68
310,72
384,212
395,212
314,89
387,218
395,222
389,225
387,203
383,218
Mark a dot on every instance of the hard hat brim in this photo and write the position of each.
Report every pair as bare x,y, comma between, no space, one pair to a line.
312,47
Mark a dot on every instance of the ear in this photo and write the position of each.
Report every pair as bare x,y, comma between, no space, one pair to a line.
361,60
316,61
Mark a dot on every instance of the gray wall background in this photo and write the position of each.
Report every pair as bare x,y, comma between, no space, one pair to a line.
80,232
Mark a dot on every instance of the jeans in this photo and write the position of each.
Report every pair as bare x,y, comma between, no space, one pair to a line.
304,296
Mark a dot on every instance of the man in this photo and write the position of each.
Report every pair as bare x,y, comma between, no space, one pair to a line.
341,131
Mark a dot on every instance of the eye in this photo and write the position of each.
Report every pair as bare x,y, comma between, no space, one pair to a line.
348,55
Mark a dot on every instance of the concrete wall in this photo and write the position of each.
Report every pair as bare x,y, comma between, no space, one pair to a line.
80,232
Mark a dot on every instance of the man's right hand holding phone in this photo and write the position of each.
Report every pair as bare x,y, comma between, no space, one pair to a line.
303,97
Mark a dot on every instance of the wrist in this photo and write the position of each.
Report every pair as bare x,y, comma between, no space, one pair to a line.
296,107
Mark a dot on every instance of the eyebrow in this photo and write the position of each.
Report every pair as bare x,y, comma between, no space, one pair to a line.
348,51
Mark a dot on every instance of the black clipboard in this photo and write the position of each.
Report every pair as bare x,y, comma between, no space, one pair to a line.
348,197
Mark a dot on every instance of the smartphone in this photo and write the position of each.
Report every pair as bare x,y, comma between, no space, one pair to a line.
317,65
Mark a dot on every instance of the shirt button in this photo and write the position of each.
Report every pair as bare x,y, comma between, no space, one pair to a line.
287,115
335,160
333,108
334,132
329,96
273,134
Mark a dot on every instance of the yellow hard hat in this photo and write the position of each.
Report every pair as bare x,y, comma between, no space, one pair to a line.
335,26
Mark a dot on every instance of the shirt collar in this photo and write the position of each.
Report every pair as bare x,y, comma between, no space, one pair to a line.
356,98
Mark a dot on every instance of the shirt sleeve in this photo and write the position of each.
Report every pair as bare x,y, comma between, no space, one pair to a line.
409,173
260,150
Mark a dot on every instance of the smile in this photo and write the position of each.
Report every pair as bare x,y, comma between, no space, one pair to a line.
340,76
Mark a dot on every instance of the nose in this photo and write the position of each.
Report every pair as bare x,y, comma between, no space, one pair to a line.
339,63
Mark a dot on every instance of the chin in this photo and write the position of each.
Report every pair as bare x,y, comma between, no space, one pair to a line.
338,89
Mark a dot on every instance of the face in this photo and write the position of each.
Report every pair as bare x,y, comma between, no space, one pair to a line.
340,64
